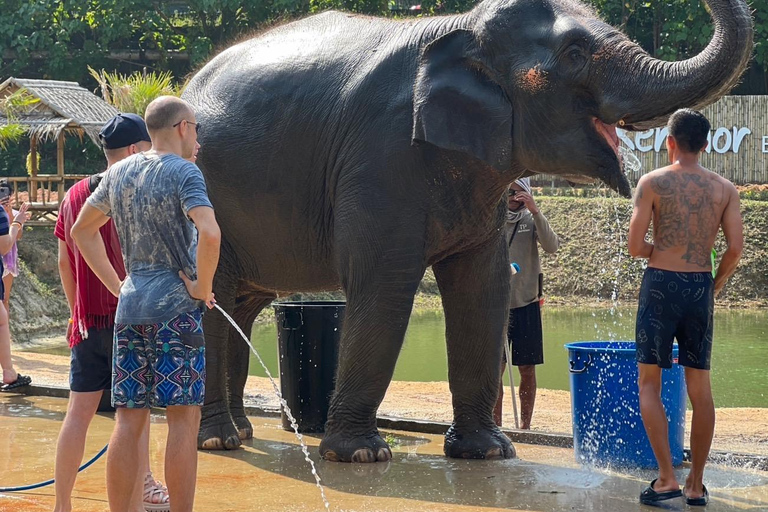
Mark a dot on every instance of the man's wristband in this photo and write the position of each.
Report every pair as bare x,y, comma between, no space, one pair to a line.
17,222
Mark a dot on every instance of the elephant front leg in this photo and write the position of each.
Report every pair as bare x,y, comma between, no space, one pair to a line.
372,336
379,283
475,292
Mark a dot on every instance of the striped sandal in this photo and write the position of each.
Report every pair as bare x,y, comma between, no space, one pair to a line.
156,497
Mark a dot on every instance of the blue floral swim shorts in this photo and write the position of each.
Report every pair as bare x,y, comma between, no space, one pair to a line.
159,365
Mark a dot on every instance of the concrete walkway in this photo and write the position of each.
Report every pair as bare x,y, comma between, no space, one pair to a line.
270,474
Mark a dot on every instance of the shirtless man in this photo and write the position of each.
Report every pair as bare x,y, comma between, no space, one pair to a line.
688,205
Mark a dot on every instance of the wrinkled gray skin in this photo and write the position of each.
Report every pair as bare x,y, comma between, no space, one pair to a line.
343,150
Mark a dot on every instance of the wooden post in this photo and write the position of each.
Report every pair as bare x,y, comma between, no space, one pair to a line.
60,166
33,161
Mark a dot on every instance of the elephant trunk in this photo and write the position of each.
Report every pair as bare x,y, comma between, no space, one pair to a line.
642,92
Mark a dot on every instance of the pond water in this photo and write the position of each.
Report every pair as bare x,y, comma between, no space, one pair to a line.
739,355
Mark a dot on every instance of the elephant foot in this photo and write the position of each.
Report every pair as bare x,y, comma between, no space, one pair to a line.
243,425
348,448
218,433
489,443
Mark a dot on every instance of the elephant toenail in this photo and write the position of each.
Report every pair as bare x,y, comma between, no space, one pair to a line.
232,443
493,453
331,456
213,443
363,455
384,455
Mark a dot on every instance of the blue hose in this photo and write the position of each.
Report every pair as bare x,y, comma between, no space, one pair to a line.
49,482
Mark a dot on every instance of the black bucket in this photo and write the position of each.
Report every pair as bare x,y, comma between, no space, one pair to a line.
308,335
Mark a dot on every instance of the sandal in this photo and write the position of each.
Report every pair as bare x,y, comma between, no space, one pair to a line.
156,497
701,501
651,497
20,382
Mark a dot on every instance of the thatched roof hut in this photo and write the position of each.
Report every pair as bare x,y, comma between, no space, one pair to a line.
55,109
63,107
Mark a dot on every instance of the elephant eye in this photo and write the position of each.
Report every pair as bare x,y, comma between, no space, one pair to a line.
576,54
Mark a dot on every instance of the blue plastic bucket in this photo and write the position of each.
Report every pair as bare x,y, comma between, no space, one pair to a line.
607,426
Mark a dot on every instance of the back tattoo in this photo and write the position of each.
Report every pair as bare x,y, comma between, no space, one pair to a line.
686,215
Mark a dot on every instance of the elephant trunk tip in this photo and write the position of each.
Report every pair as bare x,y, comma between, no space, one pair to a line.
620,184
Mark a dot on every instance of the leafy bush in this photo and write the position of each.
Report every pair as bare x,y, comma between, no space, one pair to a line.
132,93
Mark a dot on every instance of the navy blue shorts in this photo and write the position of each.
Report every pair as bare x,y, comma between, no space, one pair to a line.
525,335
91,362
675,305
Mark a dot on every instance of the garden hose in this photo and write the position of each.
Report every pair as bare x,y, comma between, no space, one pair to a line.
51,481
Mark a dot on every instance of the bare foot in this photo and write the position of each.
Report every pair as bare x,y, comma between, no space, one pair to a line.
693,490
666,485
10,376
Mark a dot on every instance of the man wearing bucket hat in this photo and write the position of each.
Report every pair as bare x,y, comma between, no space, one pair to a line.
91,328
688,205
527,228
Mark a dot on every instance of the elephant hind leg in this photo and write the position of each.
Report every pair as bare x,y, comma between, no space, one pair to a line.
249,303
217,428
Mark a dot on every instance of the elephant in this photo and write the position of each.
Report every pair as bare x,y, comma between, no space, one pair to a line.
351,152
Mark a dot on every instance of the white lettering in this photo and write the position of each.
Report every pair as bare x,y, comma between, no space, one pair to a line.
719,134
640,137
721,139
738,137
765,144
626,140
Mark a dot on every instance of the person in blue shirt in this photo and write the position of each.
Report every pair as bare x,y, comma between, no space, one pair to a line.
170,242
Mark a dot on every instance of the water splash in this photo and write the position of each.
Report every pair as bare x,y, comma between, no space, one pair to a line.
285,407
608,325
630,163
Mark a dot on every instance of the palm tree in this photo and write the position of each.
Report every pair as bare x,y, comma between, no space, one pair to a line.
10,134
132,93
19,102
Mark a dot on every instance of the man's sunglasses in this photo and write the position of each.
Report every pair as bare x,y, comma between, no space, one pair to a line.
196,125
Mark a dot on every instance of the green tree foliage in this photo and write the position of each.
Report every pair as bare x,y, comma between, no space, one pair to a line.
59,38
10,133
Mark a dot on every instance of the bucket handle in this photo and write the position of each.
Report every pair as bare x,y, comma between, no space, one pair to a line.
292,326
586,365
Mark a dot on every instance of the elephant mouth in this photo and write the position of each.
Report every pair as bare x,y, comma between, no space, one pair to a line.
613,176
608,132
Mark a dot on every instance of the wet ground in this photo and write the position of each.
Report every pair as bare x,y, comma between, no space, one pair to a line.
270,474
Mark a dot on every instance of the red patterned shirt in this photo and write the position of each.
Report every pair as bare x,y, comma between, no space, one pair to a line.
95,306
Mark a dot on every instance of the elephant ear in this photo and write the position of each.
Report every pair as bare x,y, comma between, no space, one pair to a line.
456,104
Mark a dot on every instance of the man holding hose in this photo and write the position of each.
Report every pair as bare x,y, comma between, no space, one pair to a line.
156,200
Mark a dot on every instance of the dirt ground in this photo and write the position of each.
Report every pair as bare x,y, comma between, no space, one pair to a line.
739,430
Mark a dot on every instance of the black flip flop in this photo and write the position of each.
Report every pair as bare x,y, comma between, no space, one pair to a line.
651,497
20,382
701,501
